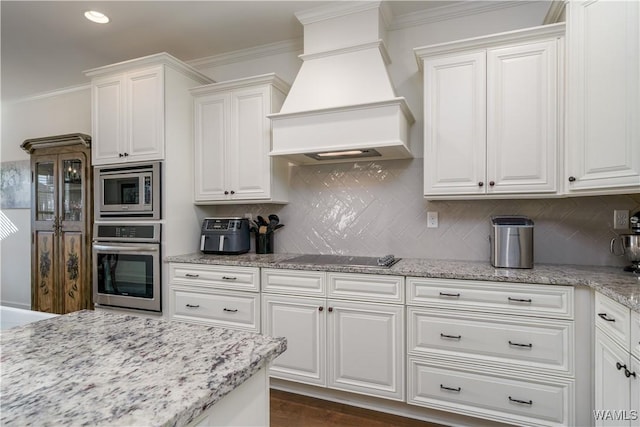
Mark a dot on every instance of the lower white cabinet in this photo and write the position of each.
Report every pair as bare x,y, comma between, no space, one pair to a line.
617,370
343,344
222,296
499,351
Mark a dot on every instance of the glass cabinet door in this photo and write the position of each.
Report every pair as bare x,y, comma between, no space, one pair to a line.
72,195
45,191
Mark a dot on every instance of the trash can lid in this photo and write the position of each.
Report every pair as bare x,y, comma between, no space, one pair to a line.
511,220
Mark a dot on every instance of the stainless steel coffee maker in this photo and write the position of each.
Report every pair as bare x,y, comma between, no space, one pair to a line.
629,244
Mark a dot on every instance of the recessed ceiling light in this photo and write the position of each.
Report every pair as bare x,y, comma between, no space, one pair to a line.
97,17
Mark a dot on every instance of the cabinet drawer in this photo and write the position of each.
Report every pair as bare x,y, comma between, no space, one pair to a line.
366,287
498,297
236,310
311,283
492,339
635,334
499,396
614,319
224,277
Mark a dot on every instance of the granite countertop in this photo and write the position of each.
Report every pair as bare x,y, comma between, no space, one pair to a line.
106,369
613,282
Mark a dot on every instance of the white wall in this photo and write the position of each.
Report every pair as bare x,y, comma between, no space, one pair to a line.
54,114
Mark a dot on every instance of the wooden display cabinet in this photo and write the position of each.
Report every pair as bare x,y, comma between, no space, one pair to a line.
61,218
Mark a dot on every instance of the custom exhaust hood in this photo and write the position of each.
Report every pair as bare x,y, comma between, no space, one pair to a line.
342,104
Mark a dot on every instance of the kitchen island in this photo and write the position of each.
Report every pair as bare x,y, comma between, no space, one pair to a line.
105,369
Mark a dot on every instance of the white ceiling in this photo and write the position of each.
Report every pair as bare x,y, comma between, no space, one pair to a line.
45,45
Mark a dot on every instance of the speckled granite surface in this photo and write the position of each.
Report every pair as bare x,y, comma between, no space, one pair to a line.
611,281
106,369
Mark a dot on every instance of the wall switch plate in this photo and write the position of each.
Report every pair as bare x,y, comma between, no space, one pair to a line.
620,219
432,219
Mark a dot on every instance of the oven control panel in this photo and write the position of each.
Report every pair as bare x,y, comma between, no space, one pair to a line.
127,232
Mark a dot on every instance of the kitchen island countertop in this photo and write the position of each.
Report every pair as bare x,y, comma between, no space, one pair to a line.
613,282
106,369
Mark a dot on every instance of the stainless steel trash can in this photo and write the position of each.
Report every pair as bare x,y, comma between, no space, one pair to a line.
511,242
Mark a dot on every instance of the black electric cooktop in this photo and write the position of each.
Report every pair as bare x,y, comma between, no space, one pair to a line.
345,260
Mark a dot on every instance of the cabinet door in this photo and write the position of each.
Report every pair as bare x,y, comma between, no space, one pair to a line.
107,119
455,123
302,322
635,392
612,386
145,115
603,96
366,348
522,129
212,123
248,161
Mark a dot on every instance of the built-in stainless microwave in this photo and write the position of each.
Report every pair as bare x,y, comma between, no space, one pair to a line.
128,191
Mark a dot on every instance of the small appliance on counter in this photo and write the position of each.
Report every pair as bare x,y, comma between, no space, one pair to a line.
511,242
225,236
630,244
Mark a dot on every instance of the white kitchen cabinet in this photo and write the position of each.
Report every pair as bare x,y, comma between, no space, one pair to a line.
349,341
225,296
233,140
499,351
617,370
491,115
603,97
129,115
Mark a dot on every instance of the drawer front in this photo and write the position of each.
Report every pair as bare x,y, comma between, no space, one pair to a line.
366,287
498,396
613,319
498,297
311,283
635,334
236,310
222,277
492,340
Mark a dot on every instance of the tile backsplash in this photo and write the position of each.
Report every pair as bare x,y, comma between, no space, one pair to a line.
377,208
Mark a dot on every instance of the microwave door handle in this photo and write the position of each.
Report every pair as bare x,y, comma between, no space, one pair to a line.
203,238
125,248
221,244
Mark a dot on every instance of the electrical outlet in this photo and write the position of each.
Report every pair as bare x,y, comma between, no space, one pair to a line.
432,219
620,219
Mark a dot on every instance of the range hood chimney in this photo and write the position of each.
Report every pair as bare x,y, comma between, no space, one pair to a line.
342,104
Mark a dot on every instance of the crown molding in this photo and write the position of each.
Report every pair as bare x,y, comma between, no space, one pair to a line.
555,13
334,10
451,11
286,46
48,94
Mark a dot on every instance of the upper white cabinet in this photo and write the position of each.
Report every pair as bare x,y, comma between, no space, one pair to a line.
491,115
233,140
603,102
133,105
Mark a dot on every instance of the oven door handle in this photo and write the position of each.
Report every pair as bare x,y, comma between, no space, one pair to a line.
125,248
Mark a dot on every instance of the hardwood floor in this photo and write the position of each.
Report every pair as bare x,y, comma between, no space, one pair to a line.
294,410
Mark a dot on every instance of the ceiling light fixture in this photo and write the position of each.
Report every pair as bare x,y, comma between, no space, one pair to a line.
97,17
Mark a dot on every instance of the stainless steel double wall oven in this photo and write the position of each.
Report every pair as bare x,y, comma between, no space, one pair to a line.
127,236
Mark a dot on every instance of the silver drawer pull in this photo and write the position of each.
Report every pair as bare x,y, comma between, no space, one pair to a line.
229,278
520,345
522,402
193,306
230,310
457,389
453,337
605,317
528,301
195,276
445,294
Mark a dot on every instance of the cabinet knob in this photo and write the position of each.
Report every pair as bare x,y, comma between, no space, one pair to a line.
126,154
226,193
572,178
233,192
480,184
321,308
330,309
120,155
492,183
